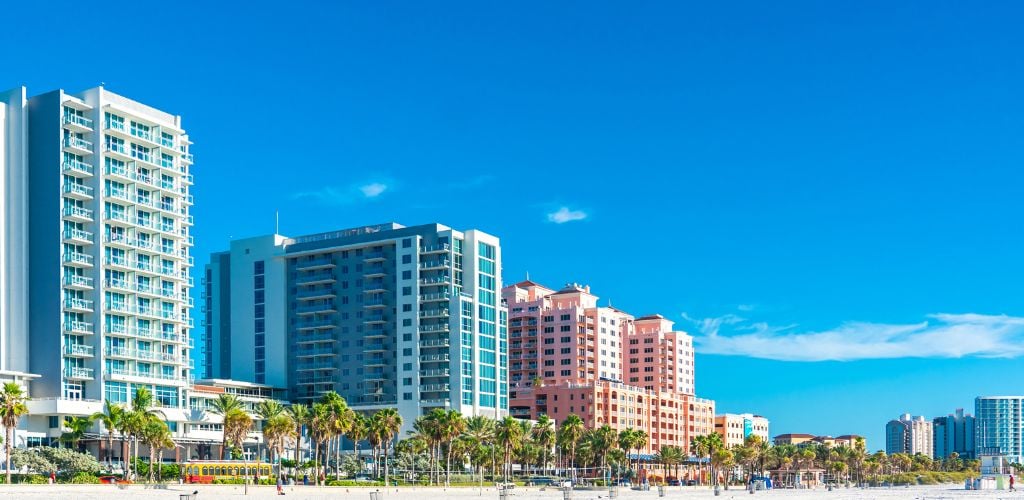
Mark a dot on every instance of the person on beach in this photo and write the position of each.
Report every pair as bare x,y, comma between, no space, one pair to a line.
280,485
1011,483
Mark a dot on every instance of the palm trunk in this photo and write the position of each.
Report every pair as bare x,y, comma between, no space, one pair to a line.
7,445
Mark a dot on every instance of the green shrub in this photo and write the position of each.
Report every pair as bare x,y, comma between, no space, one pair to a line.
349,482
32,479
84,478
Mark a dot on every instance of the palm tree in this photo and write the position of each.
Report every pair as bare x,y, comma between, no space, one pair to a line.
278,431
544,436
358,430
508,433
156,435
222,406
300,416
321,425
237,424
110,417
77,427
671,457
570,433
480,431
699,448
451,426
12,408
388,423
136,419
720,458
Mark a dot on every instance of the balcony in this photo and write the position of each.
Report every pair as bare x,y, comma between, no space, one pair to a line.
318,263
375,303
78,327
78,350
315,278
434,358
374,272
315,324
77,168
117,217
375,361
436,343
315,308
374,256
317,337
77,145
314,366
77,236
76,281
444,372
429,249
74,372
320,379
77,191
374,286
308,353
435,264
436,281
78,305
375,347
434,388
435,297
316,293
434,328
434,313
77,122
375,318
76,213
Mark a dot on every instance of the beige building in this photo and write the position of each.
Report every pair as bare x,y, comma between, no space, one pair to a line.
734,428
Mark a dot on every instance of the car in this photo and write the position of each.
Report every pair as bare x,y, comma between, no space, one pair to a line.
363,478
567,483
108,479
625,483
691,482
674,482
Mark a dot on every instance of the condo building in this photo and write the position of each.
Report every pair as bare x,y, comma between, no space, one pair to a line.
999,427
107,181
568,355
954,433
910,435
385,315
735,428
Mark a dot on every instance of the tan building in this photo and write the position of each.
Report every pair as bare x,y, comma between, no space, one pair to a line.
734,428
848,440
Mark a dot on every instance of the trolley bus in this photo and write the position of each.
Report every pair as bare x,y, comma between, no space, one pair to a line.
206,471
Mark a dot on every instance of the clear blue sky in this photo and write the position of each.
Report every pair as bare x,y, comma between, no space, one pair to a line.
804,181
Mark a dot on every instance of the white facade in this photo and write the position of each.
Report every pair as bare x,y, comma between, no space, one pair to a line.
734,428
96,216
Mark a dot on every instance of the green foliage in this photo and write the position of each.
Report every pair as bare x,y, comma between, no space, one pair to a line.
347,482
32,459
32,479
84,478
236,453
287,463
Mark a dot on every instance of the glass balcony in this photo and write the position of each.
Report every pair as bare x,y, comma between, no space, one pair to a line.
78,258
75,372
77,168
80,213
79,121
78,350
77,190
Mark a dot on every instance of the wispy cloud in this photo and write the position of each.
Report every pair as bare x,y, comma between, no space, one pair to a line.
344,195
937,336
373,189
745,307
564,214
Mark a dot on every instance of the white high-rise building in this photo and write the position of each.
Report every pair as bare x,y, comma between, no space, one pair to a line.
101,184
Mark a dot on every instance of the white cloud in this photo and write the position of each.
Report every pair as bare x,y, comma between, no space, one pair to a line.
563,215
745,307
333,195
373,189
938,336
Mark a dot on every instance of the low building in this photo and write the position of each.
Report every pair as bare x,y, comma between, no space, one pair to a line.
803,440
197,432
668,419
793,439
734,428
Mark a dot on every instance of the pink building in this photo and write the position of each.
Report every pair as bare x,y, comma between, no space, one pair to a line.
568,355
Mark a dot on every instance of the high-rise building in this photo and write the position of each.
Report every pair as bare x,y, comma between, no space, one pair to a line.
568,355
911,435
954,433
999,427
385,315
107,181
735,428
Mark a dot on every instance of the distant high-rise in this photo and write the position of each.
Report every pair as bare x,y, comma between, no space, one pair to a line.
384,315
911,435
96,211
999,427
954,433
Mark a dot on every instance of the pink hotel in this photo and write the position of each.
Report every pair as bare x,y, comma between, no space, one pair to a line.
569,355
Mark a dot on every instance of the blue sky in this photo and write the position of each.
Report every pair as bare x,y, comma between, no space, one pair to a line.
796,181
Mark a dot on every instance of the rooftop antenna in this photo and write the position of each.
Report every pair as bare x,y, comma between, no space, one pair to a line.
277,222
527,275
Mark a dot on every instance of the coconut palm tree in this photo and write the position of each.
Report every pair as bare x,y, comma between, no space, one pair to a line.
222,406
135,421
76,429
278,432
569,433
480,432
12,408
358,430
237,424
110,417
671,457
544,436
388,423
299,414
508,434
156,435
451,425
321,426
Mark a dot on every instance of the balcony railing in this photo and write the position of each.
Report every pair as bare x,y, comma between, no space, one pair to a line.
73,119
78,349
76,372
77,166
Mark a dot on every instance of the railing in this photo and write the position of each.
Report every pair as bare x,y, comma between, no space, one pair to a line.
443,247
435,328
73,188
78,258
78,327
77,234
80,349
75,142
77,372
81,121
71,211
76,280
430,297
77,166
78,304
